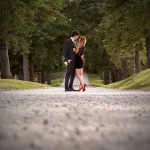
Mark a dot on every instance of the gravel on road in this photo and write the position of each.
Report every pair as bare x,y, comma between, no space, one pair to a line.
97,119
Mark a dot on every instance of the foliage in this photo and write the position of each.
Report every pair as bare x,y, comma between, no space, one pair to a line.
36,28
125,26
56,82
86,16
114,29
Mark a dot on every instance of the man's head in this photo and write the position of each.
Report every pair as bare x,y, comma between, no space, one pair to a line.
75,34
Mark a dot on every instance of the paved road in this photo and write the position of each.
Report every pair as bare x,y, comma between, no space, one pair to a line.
51,119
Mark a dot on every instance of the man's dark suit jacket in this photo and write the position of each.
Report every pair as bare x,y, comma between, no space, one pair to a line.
68,50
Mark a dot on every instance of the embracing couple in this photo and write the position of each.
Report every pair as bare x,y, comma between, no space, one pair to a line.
73,54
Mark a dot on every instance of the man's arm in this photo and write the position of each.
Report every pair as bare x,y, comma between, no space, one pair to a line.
66,48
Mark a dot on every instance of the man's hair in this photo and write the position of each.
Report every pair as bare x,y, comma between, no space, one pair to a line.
74,33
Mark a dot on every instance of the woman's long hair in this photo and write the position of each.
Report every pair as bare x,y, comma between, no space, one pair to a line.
80,43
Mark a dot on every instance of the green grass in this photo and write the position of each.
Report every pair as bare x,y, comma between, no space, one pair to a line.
19,84
95,80
56,82
139,81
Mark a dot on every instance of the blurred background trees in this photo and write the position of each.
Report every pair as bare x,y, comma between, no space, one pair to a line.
32,34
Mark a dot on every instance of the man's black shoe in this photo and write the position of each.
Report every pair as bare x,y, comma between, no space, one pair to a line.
68,90
73,89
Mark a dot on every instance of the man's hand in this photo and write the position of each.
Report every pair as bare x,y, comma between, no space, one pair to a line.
69,60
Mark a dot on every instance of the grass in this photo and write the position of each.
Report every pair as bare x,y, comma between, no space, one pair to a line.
95,80
56,82
25,85
138,81
19,84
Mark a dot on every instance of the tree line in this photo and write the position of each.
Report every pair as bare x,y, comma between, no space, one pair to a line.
118,34
32,35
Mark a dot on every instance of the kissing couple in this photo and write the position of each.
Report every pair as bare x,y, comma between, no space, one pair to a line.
73,54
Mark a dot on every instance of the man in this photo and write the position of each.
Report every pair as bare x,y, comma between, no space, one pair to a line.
69,56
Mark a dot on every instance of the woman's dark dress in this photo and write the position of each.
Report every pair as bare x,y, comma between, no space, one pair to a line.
79,59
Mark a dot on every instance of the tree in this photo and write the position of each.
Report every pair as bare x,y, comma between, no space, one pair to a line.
13,25
86,16
5,65
45,47
30,32
126,24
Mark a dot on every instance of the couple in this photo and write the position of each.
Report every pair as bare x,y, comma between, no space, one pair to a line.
73,54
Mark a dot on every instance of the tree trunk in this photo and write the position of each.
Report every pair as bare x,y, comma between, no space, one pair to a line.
115,75
42,77
4,58
101,75
49,78
123,69
26,67
137,62
106,77
39,77
110,77
31,73
119,75
148,50
132,66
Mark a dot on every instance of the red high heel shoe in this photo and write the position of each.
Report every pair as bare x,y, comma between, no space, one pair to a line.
84,88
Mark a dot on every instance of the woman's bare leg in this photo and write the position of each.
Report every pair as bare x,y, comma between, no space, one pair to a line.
78,75
78,72
82,74
81,78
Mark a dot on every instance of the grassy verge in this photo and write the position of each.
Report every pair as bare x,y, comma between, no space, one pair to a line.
139,81
56,82
19,84
95,80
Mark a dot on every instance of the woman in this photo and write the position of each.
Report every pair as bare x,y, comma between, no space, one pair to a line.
79,50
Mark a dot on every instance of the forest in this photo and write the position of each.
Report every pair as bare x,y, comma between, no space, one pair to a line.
32,34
